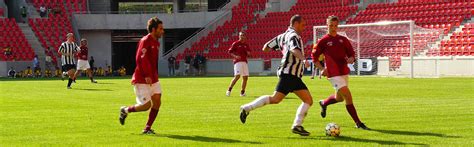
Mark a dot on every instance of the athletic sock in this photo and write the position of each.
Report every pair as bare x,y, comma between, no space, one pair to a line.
151,118
352,111
257,103
69,82
330,100
131,109
230,89
301,114
92,79
242,91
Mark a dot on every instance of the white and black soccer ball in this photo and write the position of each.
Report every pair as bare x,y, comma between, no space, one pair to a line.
332,129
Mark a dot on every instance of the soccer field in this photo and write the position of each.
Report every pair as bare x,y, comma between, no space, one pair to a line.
195,111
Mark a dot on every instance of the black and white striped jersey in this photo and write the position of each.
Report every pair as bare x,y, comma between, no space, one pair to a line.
68,50
286,42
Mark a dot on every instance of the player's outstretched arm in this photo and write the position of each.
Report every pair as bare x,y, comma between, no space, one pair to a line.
265,47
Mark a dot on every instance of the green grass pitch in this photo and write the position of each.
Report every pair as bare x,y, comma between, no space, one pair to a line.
196,112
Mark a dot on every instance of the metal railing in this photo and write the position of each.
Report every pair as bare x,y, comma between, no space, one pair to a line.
212,25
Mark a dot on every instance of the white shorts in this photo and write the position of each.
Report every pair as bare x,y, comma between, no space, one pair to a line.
186,66
83,65
241,68
338,82
145,91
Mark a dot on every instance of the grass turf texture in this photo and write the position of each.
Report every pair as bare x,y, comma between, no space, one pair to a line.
195,111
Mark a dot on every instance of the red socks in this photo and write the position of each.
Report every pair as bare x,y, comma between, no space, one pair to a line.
352,111
131,109
151,118
330,100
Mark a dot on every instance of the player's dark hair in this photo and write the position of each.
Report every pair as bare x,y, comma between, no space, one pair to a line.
332,18
153,23
295,18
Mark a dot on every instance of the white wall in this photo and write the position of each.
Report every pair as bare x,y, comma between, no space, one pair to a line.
100,46
430,66
138,21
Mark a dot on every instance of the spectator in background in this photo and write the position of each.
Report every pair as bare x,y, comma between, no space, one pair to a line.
28,72
35,63
196,64
48,61
7,51
171,62
42,11
187,63
38,72
24,11
176,67
109,71
47,73
11,73
57,72
91,63
100,72
202,64
122,71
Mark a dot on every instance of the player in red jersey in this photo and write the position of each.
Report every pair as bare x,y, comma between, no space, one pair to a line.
82,61
145,78
338,52
240,50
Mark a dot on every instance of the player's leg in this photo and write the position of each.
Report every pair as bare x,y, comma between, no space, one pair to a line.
276,98
303,93
337,82
70,73
155,107
143,99
244,85
232,83
91,76
346,94
244,70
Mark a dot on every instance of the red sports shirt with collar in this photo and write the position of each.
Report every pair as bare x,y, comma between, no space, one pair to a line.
336,50
146,60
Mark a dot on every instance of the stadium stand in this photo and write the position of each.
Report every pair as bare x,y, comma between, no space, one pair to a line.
459,43
433,14
267,26
51,31
11,36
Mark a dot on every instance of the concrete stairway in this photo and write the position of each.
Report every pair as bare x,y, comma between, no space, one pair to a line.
35,44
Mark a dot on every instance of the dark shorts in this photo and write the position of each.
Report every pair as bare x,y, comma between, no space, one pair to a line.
67,67
290,83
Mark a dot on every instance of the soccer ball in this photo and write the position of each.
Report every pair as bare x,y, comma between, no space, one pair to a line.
333,130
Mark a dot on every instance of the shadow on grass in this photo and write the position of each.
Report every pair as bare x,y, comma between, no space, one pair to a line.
103,83
362,140
205,139
350,139
411,133
88,89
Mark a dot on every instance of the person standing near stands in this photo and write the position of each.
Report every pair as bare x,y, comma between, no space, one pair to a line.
171,62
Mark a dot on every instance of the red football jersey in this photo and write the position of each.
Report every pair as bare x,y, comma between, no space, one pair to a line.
336,50
240,49
83,53
146,60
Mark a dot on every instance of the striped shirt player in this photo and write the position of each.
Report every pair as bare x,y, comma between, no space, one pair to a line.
67,50
290,65
289,73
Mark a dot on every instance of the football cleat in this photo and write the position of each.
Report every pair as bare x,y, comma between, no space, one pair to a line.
227,93
150,131
362,126
323,109
123,115
243,115
300,130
